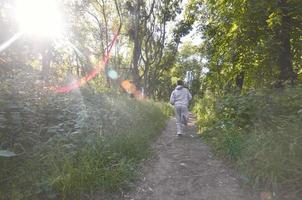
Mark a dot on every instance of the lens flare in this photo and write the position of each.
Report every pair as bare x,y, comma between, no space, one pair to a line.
130,88
113,74
100,67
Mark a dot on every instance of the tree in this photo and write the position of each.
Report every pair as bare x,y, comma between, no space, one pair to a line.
249,43
147,31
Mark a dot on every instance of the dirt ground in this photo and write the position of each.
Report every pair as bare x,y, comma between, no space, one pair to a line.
185,169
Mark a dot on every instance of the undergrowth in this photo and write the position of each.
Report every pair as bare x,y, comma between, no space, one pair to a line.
70,146
260,132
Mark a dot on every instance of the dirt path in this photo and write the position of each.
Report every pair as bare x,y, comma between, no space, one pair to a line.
185,169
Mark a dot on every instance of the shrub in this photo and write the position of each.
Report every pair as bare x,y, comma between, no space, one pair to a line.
261,132
72,145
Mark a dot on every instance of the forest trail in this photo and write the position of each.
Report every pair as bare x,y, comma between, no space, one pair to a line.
185,169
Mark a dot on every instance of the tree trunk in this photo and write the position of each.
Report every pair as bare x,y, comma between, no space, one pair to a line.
240,80
46,60
137,44
108,80
285,55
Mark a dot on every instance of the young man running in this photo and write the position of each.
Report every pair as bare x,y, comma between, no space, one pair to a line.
180,98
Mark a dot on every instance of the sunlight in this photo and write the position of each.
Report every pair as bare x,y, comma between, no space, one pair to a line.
39,17
6,44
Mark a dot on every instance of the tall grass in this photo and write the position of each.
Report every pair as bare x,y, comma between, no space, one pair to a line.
83,143
261,133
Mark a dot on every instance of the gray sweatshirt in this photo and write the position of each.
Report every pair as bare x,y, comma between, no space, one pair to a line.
180,96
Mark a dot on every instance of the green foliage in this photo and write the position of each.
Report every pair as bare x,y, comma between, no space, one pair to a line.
188,58
221,122
167,109
272,156
261,132
249,40
70,146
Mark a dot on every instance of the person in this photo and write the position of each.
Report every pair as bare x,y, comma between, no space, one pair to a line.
180,98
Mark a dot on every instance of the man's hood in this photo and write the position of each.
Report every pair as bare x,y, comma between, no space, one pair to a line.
179,87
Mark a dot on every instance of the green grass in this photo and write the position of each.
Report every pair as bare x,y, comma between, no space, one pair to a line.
272,157
90,143
260,132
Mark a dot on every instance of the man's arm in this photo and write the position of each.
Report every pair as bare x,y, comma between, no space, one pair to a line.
189,96
172,99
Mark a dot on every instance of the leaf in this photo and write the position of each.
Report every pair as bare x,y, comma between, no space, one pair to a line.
6,153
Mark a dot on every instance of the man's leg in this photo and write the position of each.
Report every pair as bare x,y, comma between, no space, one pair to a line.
184,115
178,113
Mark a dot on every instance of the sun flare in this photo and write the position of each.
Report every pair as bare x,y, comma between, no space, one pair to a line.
39,17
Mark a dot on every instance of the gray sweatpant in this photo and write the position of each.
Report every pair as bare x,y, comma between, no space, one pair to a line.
181,113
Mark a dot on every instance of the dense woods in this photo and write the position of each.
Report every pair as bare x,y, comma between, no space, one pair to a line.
77,76
248,106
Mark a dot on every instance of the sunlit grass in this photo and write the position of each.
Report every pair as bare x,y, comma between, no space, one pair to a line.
91,143
261,133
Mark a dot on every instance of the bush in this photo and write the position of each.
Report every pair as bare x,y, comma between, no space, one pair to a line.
272,157
166,108
70,146
261,132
